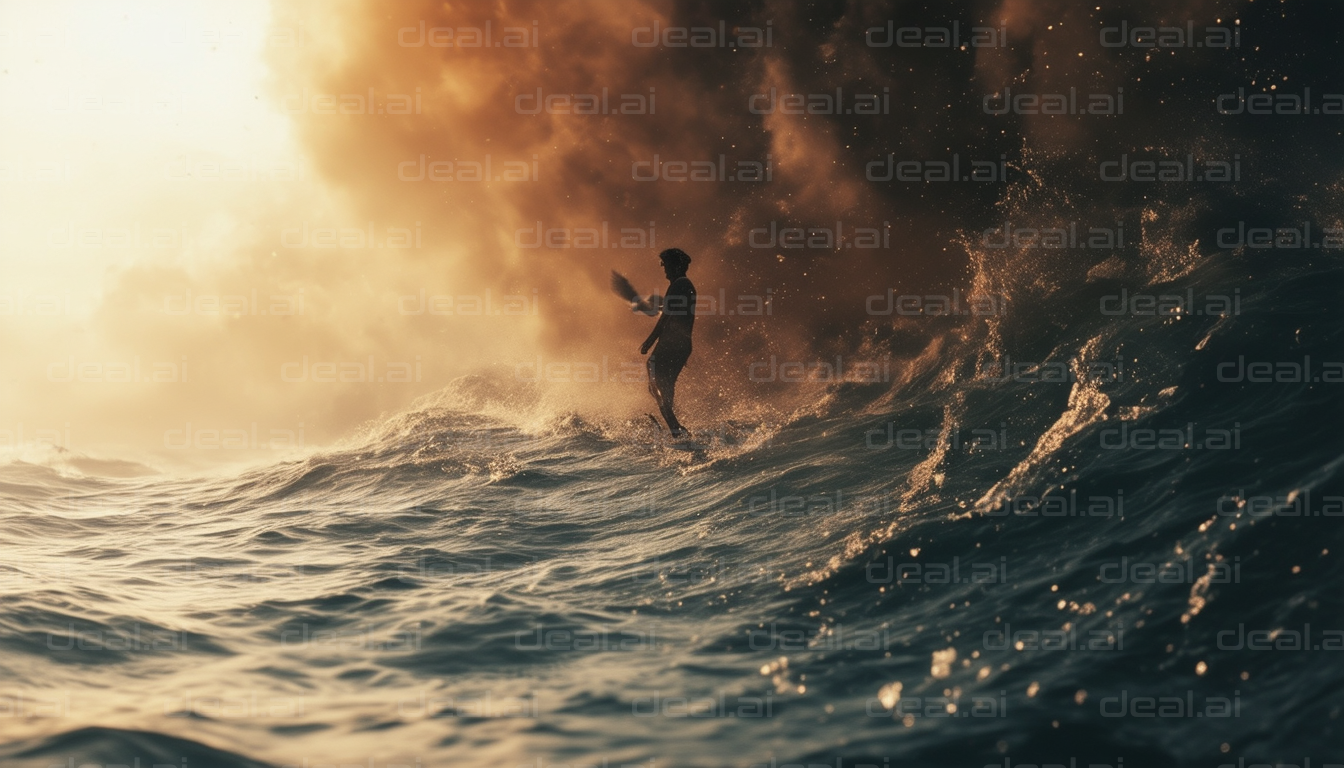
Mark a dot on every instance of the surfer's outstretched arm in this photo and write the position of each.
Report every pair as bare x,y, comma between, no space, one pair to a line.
625,290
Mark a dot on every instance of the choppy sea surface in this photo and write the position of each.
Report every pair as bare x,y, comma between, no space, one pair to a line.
1110,549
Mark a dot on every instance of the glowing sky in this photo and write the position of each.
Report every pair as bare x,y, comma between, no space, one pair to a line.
222,203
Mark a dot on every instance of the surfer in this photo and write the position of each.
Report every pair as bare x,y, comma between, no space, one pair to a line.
672,333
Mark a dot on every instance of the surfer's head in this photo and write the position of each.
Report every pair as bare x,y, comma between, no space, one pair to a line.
675,262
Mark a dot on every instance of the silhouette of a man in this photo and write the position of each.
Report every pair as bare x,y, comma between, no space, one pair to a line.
672,334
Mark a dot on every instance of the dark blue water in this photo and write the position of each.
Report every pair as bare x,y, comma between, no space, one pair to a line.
1120,554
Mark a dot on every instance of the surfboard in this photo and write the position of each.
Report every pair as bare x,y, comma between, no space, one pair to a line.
686,443
686,446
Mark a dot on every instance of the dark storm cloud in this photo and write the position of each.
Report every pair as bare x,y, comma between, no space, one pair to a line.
828,164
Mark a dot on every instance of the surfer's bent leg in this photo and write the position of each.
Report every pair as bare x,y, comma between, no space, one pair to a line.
652,365
664,368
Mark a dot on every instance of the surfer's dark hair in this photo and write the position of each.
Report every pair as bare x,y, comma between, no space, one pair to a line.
676,258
